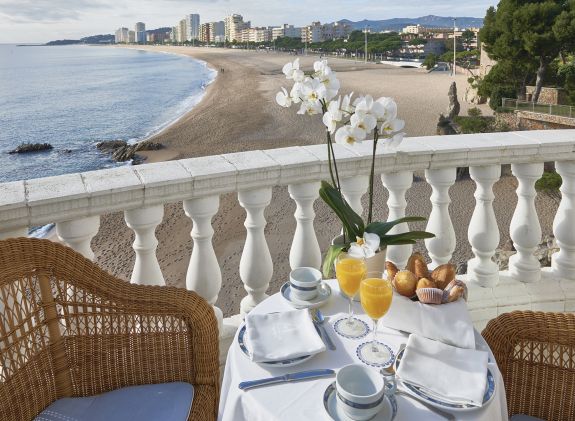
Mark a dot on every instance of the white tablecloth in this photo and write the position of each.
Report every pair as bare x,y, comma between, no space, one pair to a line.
304,400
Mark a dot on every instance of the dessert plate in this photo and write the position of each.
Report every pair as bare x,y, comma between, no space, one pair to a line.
387,412
324,292
276,364
441,404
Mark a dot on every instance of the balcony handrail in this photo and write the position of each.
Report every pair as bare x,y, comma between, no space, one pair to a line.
34,202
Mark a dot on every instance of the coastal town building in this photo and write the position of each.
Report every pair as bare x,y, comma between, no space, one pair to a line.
182,31
140,30
122,36
234,25
132,37
316,32
192,27
212,32
286,31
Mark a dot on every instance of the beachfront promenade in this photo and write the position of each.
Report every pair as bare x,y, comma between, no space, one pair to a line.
75,202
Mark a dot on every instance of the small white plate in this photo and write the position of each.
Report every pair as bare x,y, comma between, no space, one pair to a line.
387,412
324,292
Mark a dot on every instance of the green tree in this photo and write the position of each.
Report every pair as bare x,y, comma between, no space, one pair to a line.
418,41
430,61
522,32
467,38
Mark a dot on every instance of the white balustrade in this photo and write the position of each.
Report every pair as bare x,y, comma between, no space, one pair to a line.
442,246
525,228
483,233
204,274
305,250
563,262
143,221
15,233
353,190
397,184
78,234
256,266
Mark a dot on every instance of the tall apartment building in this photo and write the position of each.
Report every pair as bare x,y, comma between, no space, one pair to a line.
122,36
287,31
316,32
140,30
218,31
312,33
412,29
192,27
234,25
132,36
182,31
205,33
261,34
174,33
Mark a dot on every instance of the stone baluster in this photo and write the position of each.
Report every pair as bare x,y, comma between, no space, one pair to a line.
397,184
483,233
442,246
143,222
204,274
525,229
305,251
78,234
353,190
14,233
256,266
563,262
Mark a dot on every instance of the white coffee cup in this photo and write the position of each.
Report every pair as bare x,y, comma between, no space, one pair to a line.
304,283
360,391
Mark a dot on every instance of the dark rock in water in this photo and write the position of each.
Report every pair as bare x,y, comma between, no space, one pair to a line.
110,145
128,152
31,147
65,151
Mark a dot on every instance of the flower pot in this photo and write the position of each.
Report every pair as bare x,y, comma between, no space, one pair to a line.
374,264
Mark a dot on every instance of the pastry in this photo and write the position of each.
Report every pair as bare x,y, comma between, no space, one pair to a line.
425,283
455,283
416,264
455,293
443,275
430,295
405,283
391,270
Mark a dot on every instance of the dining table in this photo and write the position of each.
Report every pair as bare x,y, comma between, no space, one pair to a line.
305,400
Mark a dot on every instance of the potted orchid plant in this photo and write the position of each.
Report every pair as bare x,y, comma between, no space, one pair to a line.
349,122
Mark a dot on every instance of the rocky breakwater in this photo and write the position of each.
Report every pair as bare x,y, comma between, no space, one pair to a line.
121,151
31,147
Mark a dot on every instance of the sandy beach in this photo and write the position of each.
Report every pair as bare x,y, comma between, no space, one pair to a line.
239,113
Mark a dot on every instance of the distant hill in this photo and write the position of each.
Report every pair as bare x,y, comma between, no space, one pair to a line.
94,39
430,21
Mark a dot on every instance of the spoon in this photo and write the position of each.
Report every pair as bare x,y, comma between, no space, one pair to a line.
319,320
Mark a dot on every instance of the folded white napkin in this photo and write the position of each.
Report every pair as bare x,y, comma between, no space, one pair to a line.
454,374
449,323
282,336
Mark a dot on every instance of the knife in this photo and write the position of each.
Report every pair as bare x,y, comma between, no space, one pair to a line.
291,377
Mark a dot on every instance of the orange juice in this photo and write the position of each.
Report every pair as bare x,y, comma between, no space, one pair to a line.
375,297
349,273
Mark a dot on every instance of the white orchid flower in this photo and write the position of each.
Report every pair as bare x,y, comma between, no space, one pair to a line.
390,127
333,115
394,141
390,108
292,71
349,135
322,69
332,85
366,122
283,99
312,90
295,93
364,247
366,105
346,105
310,108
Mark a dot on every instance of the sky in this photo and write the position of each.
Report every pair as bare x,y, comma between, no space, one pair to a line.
31,21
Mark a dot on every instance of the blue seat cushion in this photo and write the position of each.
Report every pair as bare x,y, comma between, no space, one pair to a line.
522,417
166,402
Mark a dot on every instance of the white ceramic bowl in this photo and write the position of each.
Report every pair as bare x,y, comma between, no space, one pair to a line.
360,391
304,283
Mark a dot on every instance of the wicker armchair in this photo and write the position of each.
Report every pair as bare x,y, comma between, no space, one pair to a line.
535,352
67,328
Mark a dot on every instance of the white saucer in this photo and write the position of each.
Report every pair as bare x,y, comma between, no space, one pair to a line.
387,412
324,292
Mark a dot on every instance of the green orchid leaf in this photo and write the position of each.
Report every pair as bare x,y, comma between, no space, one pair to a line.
382,228
352,223
330,256
410,237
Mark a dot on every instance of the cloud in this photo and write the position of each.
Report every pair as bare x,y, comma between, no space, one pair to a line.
47,11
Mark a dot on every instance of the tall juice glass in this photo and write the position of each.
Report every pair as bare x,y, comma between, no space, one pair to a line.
349,272
376,294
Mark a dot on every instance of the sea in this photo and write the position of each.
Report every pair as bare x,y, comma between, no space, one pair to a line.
76,96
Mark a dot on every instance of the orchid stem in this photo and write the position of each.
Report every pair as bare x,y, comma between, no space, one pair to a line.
371,176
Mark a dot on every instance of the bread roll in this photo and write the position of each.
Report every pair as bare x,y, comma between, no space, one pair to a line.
443,275
405,283
425,283
391,270
416,264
